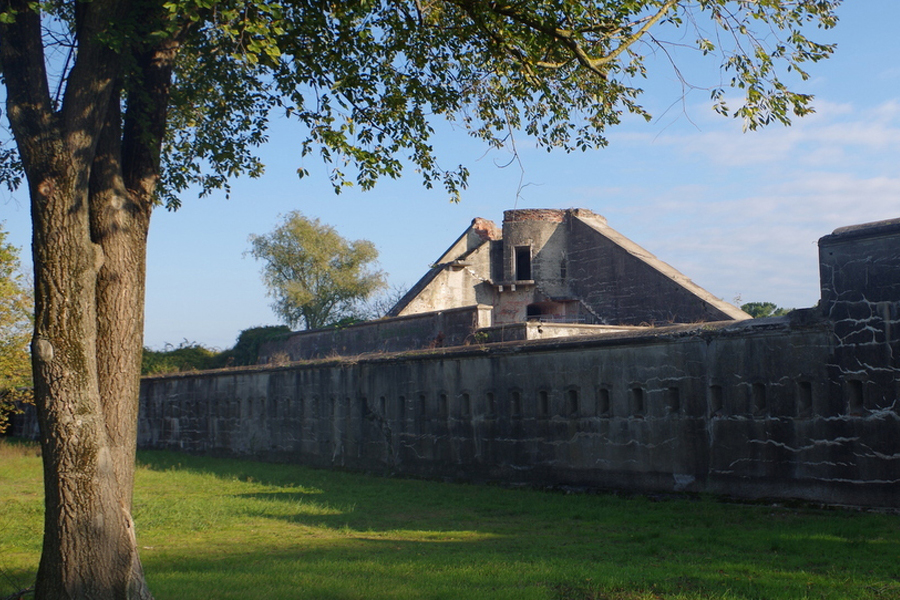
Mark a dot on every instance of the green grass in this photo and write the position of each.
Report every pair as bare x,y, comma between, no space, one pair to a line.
220,529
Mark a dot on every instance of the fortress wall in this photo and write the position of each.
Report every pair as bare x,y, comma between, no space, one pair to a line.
452,327
804,406
747,410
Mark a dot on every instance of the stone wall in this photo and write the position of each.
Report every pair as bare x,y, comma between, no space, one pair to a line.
741,409
624,283
803,406
454,327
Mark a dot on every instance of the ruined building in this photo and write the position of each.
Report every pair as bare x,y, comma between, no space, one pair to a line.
546,273
560,266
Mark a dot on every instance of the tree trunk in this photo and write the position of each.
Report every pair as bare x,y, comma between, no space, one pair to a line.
89,246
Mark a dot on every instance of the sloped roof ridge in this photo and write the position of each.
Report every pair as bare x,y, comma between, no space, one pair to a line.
598,223
485,228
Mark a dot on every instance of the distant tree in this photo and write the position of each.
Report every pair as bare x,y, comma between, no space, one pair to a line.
758,310
316,277
15,332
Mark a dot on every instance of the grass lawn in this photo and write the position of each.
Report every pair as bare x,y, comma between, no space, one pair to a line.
220,529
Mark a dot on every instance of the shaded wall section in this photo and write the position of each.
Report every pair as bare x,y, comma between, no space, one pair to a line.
454,327
741,409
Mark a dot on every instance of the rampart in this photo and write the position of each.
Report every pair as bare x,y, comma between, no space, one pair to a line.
803,406
452,327
746,409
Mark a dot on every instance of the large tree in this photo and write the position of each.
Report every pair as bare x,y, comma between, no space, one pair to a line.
316,276
117,105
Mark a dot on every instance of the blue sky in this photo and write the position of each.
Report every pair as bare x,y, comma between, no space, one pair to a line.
739,213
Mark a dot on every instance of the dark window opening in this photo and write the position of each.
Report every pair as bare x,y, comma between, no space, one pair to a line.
804,398
466,405
523,263
855,397
637,401
603,401
532,311
444,406
759,398
544,403
572,403
515,403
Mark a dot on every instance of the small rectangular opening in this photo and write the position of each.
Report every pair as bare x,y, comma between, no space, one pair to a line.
637,401
804,398
572,403
490,404
855,397
544,403
515,403
716,400
759,398
444,406
523,263
465,405
603,402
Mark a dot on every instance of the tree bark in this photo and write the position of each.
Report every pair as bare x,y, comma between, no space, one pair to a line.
91,189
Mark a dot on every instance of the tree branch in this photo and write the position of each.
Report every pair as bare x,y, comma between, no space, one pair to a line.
29,109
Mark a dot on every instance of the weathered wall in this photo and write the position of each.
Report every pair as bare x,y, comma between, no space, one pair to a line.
460,277
562,265
453,327
623,283
803,406
745,409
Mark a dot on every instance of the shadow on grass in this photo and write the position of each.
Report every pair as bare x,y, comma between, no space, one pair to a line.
379,569
16,583
377,540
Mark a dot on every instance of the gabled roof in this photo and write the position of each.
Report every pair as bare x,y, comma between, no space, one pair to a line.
466,244
598,224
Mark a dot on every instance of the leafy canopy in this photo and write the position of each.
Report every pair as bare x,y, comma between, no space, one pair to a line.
316,276
365,78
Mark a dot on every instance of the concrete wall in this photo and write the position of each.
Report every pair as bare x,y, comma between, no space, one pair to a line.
746,410
626,285
426,330
803,406
860,281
